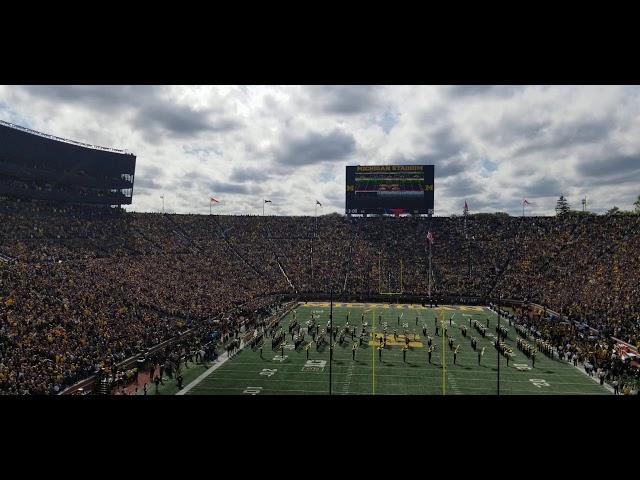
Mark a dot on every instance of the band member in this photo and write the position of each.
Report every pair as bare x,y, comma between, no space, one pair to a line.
455,354
437,334
353,351
416,320
260,350
404,354
429,340
379,354
430,351
308,345
533,359
480,354
424,330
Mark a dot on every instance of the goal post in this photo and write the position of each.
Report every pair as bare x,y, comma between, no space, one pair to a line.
390,277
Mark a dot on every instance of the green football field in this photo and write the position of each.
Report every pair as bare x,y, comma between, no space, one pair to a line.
273,374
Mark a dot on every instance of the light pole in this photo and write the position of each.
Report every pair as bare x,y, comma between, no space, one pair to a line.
498,349
331,344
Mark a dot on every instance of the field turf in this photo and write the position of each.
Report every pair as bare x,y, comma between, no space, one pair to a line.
248,374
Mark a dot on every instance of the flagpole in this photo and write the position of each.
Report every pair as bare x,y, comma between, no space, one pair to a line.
263,202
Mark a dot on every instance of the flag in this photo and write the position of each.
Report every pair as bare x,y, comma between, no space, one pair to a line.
213,200
430,237
525,202
318,203
466,207
267,201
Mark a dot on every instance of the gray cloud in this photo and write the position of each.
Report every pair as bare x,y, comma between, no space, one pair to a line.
180,121
154,114
344,99
492,145
564,136
247,174
478,90
216,186
316,147
462,186
146,182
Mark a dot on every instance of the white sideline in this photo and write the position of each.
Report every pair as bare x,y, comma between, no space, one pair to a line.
221,360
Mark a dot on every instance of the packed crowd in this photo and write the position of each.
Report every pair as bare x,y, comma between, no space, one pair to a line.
577,343
83,288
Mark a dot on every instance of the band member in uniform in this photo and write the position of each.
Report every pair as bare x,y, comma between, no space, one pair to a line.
437,334
455,354
261,350
430,351
282,350
353,351
308,345
480,354
533,358
424,330
404,354
429,340
416,319
379,354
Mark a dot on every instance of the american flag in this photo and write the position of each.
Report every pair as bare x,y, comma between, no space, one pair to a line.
526,202
466,207
430,237
213,200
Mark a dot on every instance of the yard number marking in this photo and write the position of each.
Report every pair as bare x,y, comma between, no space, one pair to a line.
268,371
539,382
522,366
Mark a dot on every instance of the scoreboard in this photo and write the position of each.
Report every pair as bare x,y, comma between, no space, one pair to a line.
390,189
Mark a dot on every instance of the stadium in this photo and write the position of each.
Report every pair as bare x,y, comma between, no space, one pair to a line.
385,299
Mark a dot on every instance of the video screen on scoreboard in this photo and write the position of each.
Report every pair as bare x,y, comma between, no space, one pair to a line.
390,189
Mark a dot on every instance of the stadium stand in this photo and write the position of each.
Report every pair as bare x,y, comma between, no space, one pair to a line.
84,288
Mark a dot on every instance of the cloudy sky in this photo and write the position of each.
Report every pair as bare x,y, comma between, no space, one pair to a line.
491,145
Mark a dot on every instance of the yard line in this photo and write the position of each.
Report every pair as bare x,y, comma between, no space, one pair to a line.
222,359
